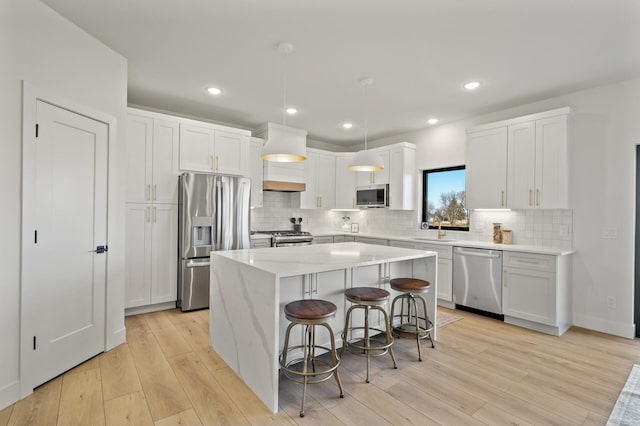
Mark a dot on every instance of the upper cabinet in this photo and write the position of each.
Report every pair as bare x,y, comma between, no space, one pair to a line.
486,171
152,159
375,178
320,172
345,182
402,177
255,171
521,163
213,149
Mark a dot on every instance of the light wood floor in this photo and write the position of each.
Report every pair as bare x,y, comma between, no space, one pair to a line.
482,372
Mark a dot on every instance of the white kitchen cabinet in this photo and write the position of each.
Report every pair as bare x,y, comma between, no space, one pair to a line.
536,291
402,177
445,272
486,169
345,183
323,239
403,244
151,254
369,240
152,159
208,149
320,172
538,164
521,163
261,242
343,239
256,171
375,178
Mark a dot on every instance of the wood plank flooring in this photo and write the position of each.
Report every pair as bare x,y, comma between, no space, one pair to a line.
482,372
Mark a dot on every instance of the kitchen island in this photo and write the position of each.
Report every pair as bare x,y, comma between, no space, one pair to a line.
249,288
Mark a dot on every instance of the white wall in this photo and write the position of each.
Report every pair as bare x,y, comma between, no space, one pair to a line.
606,131
41,47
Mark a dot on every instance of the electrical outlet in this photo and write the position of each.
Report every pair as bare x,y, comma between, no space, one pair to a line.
610,233
611,302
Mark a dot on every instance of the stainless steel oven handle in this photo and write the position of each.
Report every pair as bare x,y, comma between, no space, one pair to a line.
476,254
305,243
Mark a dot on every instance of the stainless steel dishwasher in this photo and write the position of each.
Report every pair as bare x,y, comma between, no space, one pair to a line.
477,280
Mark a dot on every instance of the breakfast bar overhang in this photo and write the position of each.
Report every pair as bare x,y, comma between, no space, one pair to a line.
250,287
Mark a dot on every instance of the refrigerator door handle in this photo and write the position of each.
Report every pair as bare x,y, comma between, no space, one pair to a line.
197,263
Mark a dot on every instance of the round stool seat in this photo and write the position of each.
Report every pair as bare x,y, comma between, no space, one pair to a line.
410,285
366,294
310,310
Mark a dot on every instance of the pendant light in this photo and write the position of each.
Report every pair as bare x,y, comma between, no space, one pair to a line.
278,148
366,161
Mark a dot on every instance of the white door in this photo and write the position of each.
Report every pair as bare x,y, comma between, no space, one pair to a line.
64,220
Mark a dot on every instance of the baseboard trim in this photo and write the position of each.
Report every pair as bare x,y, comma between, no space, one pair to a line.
149,308
9,394
117,338
604,326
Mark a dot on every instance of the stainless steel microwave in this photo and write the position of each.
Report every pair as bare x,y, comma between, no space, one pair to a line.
372,196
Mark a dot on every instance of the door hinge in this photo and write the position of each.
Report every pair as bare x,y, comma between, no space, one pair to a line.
36,130
35,237
34,343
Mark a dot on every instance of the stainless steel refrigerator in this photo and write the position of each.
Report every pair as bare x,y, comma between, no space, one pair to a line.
213,214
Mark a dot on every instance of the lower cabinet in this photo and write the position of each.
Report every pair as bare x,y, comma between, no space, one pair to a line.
323,239
151,254
445,271
369,240
261,243
536,291
343,239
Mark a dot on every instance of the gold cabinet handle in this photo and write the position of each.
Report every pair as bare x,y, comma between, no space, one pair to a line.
155,214
353,202
530,195
320,204
155,192
211,162
502,199
538,197
217,163
148,192
147,216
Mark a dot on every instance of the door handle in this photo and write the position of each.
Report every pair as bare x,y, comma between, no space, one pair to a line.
155,192
148,192
100,249
211,162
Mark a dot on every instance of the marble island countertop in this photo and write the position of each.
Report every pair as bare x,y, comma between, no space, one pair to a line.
292,261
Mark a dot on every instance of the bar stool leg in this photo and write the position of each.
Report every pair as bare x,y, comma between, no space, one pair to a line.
367,340
345,330
334,356
388,335
426,321
307,348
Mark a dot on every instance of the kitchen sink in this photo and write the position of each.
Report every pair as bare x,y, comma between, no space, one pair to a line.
442,240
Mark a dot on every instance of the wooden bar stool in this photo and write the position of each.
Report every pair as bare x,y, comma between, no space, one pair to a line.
367,298
417,323
309,313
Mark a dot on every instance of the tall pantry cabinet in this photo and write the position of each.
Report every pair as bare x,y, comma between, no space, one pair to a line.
151,209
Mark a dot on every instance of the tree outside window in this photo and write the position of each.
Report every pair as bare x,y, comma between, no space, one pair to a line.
444,199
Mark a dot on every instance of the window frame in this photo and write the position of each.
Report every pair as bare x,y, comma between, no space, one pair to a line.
425,198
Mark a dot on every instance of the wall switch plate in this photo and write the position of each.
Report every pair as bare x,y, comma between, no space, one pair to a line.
611,302
564,231
610,233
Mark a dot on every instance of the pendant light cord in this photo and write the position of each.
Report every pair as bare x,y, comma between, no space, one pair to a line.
284,91
364,97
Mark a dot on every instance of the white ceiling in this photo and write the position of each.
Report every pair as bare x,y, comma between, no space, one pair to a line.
419,52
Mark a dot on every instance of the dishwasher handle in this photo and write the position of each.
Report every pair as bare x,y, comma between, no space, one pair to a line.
478,254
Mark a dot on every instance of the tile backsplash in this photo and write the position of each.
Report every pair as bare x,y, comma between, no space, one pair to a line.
549,228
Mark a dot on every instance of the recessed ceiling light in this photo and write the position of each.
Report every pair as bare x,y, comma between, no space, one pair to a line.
347,125
432,120
214,90
472,85
291,110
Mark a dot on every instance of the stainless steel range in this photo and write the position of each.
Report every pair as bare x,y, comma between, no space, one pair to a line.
289,238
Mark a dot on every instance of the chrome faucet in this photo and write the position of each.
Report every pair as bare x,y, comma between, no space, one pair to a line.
441,233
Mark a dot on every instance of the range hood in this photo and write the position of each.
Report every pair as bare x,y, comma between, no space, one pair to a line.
283,176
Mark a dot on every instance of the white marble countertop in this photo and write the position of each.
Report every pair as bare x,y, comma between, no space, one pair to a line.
299,260
556,251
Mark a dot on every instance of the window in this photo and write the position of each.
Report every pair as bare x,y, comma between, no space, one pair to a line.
444,200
